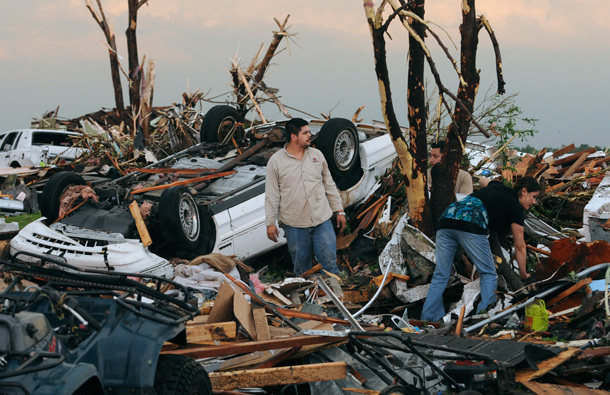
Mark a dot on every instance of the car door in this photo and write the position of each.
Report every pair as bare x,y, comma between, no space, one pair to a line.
3,154
6,148
249,227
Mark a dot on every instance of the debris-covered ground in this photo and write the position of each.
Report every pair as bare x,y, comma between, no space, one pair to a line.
258,327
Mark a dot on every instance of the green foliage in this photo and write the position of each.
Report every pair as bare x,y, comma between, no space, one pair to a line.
23,219
505,121
572,276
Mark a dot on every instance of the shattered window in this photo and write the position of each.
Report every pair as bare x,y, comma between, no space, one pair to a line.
7,144
50,138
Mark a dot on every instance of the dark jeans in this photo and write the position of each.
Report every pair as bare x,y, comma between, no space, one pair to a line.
319,240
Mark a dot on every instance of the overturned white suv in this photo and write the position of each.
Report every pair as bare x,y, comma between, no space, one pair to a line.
224,213
35,147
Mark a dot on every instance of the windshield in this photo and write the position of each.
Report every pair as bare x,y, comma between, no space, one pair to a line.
52,138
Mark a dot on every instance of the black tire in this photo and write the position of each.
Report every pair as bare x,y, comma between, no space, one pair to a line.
179,218
218,122
396,390
181,375
55,186
338,141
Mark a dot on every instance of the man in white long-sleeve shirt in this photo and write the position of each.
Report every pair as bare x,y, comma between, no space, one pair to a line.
301,195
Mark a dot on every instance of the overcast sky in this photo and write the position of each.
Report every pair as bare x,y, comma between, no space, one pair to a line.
555,56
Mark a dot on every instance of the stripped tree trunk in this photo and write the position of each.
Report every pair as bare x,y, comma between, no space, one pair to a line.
410,166
108,30
417,116
135,69
458,130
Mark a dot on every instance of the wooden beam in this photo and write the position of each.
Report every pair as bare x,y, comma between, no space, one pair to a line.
196,333
546,366
564,150
278,376
251,346
573,157
460,322
260,322
595,162
554,389
140,225
313,270
593,353
575,165
569,291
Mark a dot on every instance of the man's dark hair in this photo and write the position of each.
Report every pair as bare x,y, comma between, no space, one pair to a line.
438,144
294,126
529,183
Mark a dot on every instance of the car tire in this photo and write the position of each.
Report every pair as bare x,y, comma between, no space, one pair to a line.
218,122
179,218
51,193
338,141
179,374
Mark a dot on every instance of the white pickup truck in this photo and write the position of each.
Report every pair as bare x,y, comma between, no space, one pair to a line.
33,147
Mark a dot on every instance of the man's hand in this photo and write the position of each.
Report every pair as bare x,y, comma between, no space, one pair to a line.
524,276
273,233
341,222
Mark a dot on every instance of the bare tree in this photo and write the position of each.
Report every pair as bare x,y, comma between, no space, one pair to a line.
446,175
247,83
135,70
412,154
410,161
108,30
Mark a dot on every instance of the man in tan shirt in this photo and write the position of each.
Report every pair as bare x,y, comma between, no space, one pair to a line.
463,183
301,195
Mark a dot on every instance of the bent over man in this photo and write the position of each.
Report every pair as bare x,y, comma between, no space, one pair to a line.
301,195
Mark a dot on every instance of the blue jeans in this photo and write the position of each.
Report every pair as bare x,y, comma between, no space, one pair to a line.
320,240
478,250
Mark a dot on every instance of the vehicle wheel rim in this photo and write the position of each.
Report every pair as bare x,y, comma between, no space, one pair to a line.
189,217
345,148
226,127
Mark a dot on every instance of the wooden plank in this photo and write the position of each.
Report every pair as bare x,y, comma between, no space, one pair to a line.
575,165
140,225
569,291
251,346
311,271
280,357
573,157
243,312
593,353
590,163
278,376
357,296
196,333
554,389
564,150
250,360
222,311
546,366
260,322
460,322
